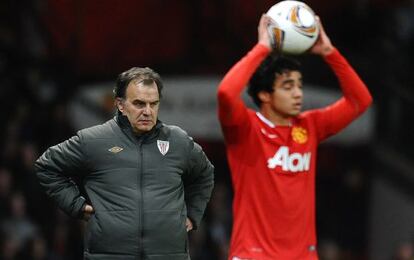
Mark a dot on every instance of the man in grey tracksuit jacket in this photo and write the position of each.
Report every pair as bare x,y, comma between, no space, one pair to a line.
146,183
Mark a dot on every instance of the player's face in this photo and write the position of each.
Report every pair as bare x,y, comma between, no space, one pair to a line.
140,105
286,98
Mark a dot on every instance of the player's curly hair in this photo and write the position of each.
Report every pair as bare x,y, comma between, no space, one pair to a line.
264,77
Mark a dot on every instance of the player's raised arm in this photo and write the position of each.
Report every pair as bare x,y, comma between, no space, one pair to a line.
323,45
356,96
231,107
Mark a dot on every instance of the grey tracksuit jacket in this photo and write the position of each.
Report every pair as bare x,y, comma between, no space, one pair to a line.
141,197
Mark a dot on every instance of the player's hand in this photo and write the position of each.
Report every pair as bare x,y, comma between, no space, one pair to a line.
323,45
263,34
88,211
188,224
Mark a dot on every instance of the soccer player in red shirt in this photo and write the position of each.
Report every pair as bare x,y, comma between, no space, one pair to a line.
272,152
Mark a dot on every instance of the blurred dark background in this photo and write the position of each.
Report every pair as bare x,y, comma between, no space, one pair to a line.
51,49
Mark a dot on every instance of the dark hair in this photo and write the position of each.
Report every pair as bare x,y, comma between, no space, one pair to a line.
265,75
146,74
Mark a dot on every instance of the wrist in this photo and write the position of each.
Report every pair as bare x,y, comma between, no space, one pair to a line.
265,44
327,50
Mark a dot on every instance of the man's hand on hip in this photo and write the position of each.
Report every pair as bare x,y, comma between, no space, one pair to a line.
88,211
188,224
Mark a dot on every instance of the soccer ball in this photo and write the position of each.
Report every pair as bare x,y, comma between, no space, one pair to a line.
294,28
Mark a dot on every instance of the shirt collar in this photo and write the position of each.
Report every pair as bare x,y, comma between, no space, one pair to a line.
265,120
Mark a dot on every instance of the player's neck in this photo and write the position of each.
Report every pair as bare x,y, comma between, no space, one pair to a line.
276,118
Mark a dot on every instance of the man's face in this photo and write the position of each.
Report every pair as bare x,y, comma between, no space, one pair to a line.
140,105
286,98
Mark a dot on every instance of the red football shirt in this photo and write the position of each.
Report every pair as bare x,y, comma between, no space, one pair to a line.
273,167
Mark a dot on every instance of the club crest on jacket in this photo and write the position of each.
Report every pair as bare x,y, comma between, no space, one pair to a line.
163,146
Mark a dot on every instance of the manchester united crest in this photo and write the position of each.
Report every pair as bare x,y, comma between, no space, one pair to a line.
299,135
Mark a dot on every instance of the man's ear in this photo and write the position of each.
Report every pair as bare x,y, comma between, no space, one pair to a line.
120,104
264,96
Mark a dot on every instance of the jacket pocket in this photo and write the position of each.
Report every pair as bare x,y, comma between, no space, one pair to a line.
112,232
164,232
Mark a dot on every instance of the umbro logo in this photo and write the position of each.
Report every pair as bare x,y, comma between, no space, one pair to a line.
115,149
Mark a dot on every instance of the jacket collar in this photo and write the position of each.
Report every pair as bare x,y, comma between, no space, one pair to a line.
127,129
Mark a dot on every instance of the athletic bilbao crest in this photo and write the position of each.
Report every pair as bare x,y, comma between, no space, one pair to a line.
163,146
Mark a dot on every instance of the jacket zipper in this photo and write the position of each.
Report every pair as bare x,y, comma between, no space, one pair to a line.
141,202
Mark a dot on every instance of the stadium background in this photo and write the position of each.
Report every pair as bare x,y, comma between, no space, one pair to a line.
59,59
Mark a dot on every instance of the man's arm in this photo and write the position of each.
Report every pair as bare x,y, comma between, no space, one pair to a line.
356,97
231,108
198,185
54,170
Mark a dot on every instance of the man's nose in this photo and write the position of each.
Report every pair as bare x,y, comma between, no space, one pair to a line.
147,110
297,92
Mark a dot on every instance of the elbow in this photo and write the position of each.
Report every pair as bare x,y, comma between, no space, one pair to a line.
37,167
363,106
368,102
223,94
